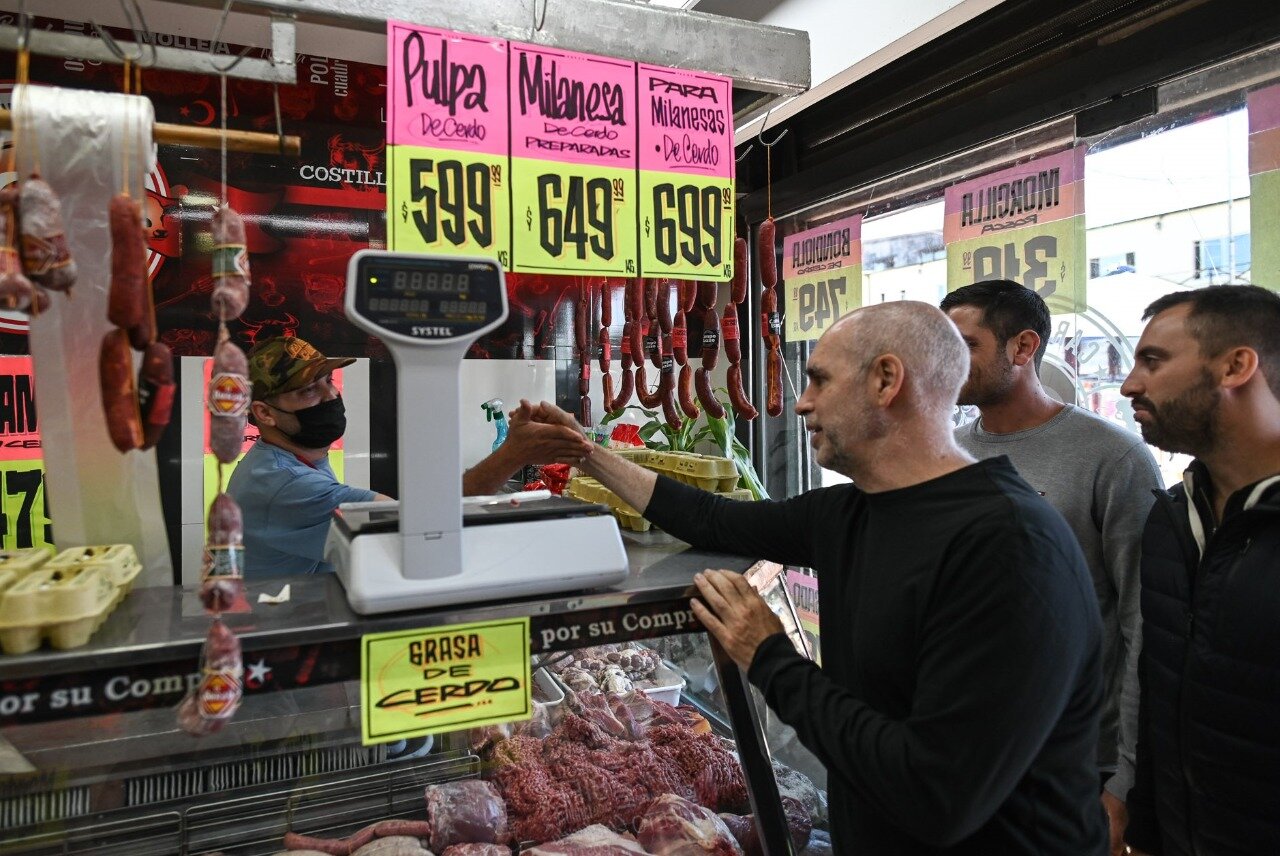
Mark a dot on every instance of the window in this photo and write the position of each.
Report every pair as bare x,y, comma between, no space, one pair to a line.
1222,260
1107,265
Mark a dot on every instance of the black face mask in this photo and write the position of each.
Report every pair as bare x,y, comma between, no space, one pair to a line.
318,425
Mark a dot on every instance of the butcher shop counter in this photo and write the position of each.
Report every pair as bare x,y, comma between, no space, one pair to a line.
88,740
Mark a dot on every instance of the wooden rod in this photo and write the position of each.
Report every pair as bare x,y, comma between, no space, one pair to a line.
209,138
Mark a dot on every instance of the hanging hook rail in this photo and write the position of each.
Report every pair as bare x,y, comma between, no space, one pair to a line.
760,134
279,68
209,138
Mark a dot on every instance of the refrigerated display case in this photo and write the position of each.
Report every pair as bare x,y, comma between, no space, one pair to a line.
92,760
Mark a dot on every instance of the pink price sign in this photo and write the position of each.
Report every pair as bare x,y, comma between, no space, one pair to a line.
572,107
823,248
1035,193
446,90
686,122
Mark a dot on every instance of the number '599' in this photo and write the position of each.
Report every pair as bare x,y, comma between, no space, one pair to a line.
460,203
687,223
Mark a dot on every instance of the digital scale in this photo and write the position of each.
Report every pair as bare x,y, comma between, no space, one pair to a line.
423,551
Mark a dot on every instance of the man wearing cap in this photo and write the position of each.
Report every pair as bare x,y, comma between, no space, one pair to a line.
284,485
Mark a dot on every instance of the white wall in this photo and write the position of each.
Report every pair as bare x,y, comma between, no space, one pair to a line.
841,32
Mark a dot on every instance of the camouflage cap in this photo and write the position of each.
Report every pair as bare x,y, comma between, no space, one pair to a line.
286,363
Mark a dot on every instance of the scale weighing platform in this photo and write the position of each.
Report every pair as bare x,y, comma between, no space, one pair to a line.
421,552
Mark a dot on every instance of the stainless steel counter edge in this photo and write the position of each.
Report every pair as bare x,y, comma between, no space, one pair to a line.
159,625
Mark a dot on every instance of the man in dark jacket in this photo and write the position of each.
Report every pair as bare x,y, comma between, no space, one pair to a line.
1206,382
956,709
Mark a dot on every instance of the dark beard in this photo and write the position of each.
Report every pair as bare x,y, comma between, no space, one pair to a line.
996,384
1187,423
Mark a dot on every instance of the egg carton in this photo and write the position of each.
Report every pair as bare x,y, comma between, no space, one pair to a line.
24,561
632,521
120,562
65,600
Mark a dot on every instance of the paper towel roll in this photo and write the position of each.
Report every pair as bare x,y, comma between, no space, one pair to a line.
95,495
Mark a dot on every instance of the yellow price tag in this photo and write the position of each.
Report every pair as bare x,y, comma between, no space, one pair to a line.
573,218
686,226
1048,259
816,301
438,679
449,203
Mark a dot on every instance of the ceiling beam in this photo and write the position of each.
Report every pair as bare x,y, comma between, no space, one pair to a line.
758,57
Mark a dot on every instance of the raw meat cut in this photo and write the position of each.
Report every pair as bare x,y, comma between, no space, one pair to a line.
542,808
477,850
673,826
593,841
466,812
744,827
706,763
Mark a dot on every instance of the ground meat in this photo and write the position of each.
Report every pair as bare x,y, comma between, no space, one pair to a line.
711,769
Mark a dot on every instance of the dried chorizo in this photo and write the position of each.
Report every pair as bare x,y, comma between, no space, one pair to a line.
688,294
729,333
625,344
212,702
635,299
119,391
606,303
46,258
667,387
647,398
230,265
228,401
684,392
625,391
651,297
702,385
664,306
710,338
155,392
738,396
773,376
606,349
680,338
127,298
16,291
765,250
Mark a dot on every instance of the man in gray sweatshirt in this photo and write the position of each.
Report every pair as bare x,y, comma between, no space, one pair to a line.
1099,476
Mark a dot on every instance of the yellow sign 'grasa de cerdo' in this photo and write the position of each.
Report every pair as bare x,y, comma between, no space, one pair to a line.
417,682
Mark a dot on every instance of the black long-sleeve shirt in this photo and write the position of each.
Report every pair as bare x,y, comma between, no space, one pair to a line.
957,707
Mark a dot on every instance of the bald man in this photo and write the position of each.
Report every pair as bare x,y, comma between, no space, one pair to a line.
957,707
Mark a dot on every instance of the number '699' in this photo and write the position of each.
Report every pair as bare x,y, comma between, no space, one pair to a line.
687,224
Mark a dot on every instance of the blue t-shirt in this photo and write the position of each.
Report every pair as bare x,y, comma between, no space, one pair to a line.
287,507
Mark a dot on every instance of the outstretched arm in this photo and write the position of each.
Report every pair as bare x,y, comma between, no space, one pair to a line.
528,442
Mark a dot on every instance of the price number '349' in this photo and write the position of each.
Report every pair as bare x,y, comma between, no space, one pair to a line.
578,211
458,206
688,224
1002,262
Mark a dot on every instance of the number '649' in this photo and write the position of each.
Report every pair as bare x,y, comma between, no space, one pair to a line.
581,214
460,203
687,224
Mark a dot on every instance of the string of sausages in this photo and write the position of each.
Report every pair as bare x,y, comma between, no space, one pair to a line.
704,303
212,702
770,320
136,412
729,331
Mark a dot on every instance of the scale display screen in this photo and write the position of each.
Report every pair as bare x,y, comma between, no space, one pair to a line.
428,297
